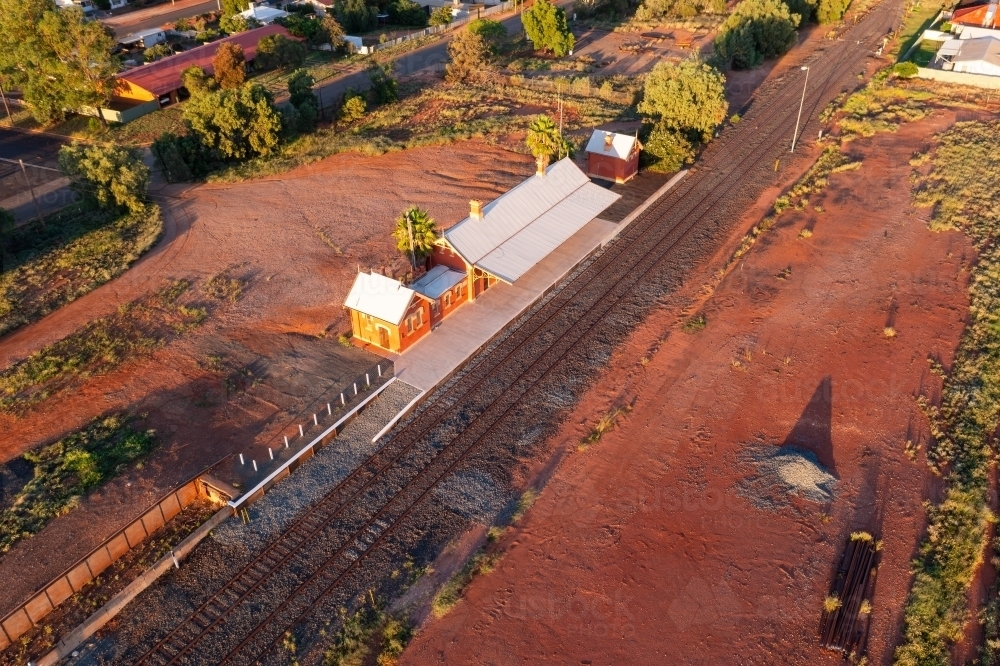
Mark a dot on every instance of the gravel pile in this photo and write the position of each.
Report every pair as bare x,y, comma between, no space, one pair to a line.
784,472
473,494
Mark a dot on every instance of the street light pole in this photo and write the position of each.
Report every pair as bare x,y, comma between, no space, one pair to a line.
409,230
801,104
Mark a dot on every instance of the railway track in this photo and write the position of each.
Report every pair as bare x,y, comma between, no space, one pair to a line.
241,622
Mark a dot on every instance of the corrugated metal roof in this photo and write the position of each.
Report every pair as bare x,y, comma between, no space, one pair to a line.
986,49
379,296
518,229
620,148
436,281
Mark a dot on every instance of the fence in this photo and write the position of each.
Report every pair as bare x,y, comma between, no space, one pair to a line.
960,78
434,29
44,601
581,86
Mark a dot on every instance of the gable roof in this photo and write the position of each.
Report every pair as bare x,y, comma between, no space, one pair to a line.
164,75
621,144
986,49
380,296
436,281
521,227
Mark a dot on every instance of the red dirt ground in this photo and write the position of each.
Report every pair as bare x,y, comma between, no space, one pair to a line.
639,550
297,241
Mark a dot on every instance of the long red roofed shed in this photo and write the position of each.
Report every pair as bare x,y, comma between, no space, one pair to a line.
163,77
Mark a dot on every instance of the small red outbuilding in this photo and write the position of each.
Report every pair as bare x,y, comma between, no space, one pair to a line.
613,156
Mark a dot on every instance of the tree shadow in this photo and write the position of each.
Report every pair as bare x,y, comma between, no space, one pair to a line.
812,432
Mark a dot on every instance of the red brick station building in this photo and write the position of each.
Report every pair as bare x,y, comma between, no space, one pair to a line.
498,242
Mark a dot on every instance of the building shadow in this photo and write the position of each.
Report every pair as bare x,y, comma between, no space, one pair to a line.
812,432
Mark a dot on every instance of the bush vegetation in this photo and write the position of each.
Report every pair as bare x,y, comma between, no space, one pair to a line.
651,10
469,57
107,176
97,348
546,27
68,254
962,186
881,107
757,29
68,469
370,635
279,52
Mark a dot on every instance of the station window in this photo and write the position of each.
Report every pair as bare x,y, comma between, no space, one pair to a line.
447,299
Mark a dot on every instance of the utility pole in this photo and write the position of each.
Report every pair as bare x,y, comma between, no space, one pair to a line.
31,189
409,230
559,88
802,102
5,107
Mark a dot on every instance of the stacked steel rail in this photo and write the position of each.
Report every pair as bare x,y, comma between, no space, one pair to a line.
844,627
381,493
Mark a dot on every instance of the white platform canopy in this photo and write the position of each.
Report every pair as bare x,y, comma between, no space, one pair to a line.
620,147
436,281
380,297
523,226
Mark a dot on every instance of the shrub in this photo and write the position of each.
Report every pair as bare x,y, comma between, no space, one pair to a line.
303,99
546,27
155,52
235,124
757,29
831,11
353,108
905,70
182,157
441,16
687,96
667,149
107,175
229,65
356,16
277,51
492,31
407,12
383,86
468,57
237,23
308,28
207,35
196,80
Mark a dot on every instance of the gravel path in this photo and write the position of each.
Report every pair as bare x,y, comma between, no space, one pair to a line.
232,545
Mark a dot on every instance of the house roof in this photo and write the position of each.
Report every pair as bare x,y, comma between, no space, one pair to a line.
164,76
380,296
264,14
985,49
142,34
436,281
621,144
521,227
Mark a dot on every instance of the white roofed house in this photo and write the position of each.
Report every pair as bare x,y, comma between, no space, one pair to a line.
612,156
979,55
504,239
498,242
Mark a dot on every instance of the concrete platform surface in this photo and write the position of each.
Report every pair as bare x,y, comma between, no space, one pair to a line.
434,358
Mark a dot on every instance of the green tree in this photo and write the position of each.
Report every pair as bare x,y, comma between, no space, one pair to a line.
757,29
108,175
544,140
229,65
546,27
303,99
236,123
407,12
354,106
831,11
230,7
304,27
277,51
84,50
468,57
356,16
236,23
686,96
492,31
197,81
806,9
333,33
424,234
27,62
155,52
384,89
441,16
667,149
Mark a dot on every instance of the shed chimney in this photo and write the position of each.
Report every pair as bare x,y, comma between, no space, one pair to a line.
542,162
608,139
476,209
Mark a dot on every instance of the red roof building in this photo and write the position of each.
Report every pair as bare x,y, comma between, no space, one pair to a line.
979,13
163,78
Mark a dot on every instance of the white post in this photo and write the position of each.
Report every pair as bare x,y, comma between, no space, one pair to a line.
379,369
802,102
301,434
241,460
367,381
342,399
177,564
286,441
270,452
315,420
254,465
329,411
355,388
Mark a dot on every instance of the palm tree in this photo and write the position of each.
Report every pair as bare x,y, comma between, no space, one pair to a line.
544,140
415,234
